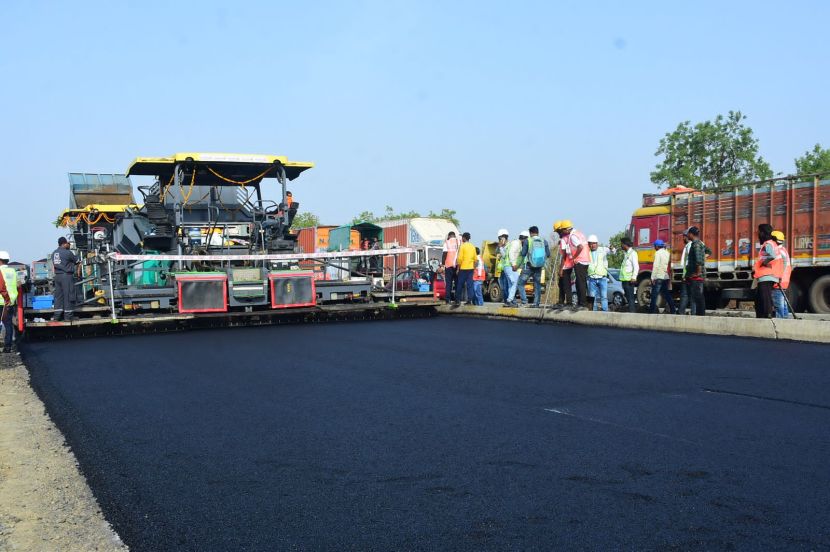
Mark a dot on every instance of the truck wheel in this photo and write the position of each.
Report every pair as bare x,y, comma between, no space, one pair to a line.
819,296
795,293
494,292
644,294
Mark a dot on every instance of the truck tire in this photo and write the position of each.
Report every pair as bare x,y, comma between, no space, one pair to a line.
644,294
819,296
494,292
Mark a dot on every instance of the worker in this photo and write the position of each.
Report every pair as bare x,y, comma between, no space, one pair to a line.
479,275
598,274
466,263
566,268
564,295
685,296
64,263
8,295
449,256
535,252
779,300
767,272
580,257
502,263
695,271
511,268
628,272
660,278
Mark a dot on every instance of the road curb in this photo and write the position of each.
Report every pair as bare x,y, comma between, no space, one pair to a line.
791,330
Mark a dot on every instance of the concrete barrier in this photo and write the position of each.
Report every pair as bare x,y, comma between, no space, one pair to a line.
792,330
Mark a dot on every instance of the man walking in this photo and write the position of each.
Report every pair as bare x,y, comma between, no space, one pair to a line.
580,258
516,262
535,251
8,299
695,271
628,272
64,263
466,265
779,300
449,258
660,278
598,274
767,271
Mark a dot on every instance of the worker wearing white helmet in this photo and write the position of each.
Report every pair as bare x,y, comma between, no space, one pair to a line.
598,274
8,298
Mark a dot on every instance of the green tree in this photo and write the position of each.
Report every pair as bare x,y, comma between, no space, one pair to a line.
305,220
365,216
449,214
709,154
815,161
615,259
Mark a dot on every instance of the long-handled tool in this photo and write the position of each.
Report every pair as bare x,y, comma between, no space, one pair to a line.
789,306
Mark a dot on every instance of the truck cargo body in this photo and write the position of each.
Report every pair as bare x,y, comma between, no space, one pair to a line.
426,234
728,221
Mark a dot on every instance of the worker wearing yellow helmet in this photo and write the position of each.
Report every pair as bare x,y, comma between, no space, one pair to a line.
779,300
577,259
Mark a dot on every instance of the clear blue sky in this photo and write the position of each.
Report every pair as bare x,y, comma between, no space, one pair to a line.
511,113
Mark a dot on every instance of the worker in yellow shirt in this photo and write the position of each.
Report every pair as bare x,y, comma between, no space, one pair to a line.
466,263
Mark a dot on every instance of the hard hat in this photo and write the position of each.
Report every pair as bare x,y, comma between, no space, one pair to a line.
777,234
566,224
4,256
593,239
659,243
503,232
524,234
557,225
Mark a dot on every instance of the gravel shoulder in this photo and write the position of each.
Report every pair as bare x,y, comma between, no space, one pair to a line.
45,502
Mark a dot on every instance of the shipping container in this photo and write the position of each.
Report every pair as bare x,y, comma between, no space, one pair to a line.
728,221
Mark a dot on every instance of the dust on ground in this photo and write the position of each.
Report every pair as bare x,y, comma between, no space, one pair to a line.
45,502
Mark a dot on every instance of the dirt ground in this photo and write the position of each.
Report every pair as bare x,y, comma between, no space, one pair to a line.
45,503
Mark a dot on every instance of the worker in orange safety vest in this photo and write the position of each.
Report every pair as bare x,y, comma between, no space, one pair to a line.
779,301
479,275
767,272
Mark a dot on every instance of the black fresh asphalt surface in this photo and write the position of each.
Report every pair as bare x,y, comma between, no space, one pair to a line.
447,434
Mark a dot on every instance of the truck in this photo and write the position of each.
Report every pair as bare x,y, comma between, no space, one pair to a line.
728,219
424,234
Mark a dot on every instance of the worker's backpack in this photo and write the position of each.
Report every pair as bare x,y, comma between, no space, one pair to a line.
536,252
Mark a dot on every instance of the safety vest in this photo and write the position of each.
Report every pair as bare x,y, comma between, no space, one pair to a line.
597,268
786,268
626,273
519,261
503,260
567,261
584,256
452,252
478,272
10,277
775,268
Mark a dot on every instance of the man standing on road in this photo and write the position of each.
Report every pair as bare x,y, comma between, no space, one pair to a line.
512,262
628,272
782,310
449,256
598,274
479,275
466,266
8,299
695,271
660,278
64,263
580,258
535,251
503,263
684,288
767,272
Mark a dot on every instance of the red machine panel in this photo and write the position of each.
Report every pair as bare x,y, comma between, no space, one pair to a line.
291,289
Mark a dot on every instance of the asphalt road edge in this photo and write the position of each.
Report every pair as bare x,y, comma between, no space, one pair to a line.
811,331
